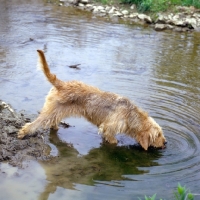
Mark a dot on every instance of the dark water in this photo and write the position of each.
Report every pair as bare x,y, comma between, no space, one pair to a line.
160,71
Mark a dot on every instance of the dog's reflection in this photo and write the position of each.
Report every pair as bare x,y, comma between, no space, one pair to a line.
109,162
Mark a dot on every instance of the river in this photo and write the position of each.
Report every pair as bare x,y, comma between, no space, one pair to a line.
159,71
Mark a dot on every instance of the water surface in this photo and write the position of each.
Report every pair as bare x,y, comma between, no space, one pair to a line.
159,71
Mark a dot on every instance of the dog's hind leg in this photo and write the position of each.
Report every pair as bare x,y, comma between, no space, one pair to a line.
109,138
108,133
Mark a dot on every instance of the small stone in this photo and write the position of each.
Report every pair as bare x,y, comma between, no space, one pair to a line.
133,7
168,26
89,5
144,18
107,8
95,10
81,5
192,22
125,12
100,7
133,15
117,13
84,1
160,27
112,10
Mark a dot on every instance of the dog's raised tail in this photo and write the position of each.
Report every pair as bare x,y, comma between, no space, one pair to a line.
45,68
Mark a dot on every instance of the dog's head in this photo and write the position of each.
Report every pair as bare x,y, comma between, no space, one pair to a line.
152,136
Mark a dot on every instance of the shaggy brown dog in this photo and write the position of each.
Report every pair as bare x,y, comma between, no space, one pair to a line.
110,112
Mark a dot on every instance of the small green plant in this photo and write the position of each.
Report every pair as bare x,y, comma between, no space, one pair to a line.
183,194
145,6
150,198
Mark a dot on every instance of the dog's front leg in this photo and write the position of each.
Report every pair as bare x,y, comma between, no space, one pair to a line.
27,128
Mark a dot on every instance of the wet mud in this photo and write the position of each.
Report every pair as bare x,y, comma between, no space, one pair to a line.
14,150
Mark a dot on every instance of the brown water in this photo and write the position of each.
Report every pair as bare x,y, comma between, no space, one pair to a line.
160,71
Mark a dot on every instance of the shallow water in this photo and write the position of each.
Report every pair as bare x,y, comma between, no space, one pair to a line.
160,71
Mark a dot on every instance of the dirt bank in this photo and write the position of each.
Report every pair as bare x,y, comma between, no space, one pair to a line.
16,151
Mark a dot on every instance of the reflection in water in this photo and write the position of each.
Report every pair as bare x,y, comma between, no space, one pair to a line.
106,163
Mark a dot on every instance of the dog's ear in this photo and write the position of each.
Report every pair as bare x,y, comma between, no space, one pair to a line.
144,140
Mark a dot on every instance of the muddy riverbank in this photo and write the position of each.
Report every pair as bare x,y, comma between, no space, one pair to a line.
180,19
13,150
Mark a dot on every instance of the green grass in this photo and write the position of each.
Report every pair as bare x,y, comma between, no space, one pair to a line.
160,5
154,5
182,193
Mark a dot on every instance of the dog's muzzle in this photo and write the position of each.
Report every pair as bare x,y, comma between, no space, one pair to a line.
164,145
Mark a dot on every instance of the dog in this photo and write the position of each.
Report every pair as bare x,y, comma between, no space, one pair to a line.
110,112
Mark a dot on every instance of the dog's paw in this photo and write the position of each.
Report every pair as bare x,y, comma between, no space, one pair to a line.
113,141
24,131
20,134
110,140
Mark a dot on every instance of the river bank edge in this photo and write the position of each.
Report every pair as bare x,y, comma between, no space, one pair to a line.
15,151
180,18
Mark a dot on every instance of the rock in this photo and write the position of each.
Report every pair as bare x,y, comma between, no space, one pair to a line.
112,10
178,22
89,7
162,19
103,11
145,18
84,1
95,10
196,15
117,13
133,7
74,2
191,22
168,26
133,15
81,5
100,10
175,17
107,8
125,12
160,27
100,7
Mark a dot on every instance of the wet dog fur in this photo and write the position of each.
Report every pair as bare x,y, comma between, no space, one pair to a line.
110,112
